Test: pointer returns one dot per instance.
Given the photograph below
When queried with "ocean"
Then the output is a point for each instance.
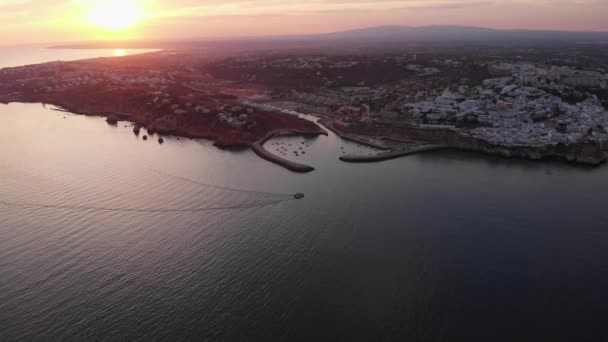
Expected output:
(106, 237)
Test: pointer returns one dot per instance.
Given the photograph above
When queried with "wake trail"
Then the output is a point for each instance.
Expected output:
(135, 210)
(217, 186)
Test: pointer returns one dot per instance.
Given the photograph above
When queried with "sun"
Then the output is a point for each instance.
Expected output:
(115, 15)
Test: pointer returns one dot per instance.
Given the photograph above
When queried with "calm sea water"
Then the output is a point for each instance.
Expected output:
(33, 54)
(435, 247)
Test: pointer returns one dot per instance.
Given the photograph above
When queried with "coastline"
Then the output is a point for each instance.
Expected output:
(224, 113)
(437, 139)
(219, 141)
(584, 153)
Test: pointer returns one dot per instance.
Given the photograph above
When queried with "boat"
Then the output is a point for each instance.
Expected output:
(299, 195)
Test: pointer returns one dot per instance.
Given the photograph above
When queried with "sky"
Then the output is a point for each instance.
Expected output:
(41, 21)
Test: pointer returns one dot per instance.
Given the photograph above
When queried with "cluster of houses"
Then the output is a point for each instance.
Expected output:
(551, 77)
(309, 62)
(518, 107)
(358, 96)
(53, 77)
(235, 116)
(50, 77)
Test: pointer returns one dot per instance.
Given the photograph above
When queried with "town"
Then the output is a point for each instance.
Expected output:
(511, 104)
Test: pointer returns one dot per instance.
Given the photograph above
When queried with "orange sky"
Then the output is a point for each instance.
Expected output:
(30, 21)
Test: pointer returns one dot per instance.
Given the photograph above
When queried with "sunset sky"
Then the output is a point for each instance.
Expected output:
(32, 21)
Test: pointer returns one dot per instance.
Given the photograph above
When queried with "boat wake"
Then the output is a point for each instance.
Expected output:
(222, 198)
(136, 210)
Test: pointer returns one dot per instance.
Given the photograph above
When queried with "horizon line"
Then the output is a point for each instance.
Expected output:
(301, 35)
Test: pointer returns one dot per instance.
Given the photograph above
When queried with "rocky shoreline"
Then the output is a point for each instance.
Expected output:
(585, 153)
(220, 141)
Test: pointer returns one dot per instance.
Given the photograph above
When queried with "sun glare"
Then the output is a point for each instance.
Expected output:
(116, 15)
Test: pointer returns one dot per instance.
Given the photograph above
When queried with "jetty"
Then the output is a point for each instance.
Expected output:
(288, 164)
(258, 148)
(392, 154)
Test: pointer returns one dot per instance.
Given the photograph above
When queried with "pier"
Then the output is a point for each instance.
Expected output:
(392, 154)
(292, 166)
(258, 148)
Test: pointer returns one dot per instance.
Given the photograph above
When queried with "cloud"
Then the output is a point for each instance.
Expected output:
(7, 3)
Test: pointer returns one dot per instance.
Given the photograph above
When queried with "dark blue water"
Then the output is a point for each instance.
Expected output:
(435, 247)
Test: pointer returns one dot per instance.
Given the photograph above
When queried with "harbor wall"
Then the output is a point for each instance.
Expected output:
(588, 152)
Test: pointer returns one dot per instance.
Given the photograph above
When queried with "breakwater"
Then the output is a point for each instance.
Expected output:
(392, 154)
(258, 148)
(584, 152)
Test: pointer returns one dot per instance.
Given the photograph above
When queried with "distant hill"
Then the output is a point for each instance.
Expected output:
(372, 36)
(436, 33)
(399, 32)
